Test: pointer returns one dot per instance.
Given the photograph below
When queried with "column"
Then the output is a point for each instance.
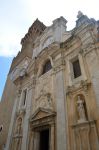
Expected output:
(52, 143)
(26, 119)
(61, 107)
(31, 140)
(36, 141)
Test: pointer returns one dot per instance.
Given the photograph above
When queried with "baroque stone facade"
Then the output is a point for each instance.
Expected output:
(56, 76)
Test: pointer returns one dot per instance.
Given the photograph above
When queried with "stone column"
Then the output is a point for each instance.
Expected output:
(26, 118)
(52, 142)
(36, 141)
(31, 140)
(10, 133)
(93, 67)
(61, 106)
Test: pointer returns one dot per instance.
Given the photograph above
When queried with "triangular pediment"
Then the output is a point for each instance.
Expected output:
(41, 113)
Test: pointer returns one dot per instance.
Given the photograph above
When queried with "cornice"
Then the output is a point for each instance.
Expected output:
(84, 85)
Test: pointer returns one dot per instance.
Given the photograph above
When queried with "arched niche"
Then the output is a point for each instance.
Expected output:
(80, 108)
(18, 127)
(45, 66)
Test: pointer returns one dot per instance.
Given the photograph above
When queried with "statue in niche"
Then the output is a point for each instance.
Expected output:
(81, 110)
(25, 64)
(17, 139)
(49, 99)
(19, 127)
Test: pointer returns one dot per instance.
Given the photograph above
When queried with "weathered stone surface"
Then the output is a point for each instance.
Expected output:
(57, 101)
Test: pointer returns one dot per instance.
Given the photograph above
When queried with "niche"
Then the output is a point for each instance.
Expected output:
(81, 109)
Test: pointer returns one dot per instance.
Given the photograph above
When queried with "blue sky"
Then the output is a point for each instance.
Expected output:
(16, 16)
(4, 68)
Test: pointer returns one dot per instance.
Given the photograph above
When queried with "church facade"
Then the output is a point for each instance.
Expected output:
(56, 75)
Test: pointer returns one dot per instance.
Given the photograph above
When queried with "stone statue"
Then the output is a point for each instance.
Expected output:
(81, 110)
(25, 64)
(17, 139)
(19, 127)
(80, 14)
(49, 99)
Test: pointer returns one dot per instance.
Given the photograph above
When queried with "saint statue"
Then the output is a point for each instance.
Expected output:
(81, 110)
(19, 127)
(17, 139)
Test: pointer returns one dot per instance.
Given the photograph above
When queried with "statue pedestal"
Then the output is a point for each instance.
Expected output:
(85, 136)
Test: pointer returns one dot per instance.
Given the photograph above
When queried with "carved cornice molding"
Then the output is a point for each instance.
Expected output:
(48, 118)
(85, 49)
(84, 85)
(59, 65)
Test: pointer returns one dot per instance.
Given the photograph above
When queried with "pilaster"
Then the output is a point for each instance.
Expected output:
(25, 139)
(52, 143)
(61, 104)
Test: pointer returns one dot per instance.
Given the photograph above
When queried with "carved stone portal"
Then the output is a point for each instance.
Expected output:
(41, 121)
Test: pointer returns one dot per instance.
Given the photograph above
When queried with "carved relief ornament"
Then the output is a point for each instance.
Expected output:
(82, 85)
(44, 100)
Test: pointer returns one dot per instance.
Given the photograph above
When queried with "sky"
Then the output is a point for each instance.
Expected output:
(16, 16)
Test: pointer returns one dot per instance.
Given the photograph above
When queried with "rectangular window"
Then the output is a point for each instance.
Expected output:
(24, 97)
(76, 68)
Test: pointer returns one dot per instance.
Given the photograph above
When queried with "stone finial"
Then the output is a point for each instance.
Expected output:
(80, 14)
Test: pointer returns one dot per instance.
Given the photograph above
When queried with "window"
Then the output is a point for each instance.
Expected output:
(46, 67)
(76, 68)
(24, 97)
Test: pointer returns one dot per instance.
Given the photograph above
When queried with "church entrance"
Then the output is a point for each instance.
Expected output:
(44, 140)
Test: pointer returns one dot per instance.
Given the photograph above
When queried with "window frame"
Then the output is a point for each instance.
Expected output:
(44, 67)
(76, 72)
(71, 60)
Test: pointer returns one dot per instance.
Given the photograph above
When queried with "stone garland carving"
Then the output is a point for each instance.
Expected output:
(81, 110)
(82, 84)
